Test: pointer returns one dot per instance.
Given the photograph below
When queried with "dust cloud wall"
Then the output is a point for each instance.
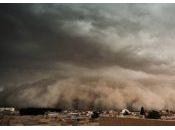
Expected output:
(87, 55)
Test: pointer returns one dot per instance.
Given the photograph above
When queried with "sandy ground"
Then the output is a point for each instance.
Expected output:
(135, 122)
(105, 121)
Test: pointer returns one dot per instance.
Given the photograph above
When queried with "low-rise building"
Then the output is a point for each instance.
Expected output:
(7, 111)
(11, 109)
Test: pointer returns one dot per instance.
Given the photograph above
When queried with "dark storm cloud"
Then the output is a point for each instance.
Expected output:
(44, 44)
(70, 32)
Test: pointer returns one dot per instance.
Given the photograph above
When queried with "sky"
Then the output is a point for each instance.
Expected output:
(93, 55)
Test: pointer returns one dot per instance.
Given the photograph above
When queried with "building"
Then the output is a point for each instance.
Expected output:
(10, 109)
(125, 112)
(7, 111)
(52, 114)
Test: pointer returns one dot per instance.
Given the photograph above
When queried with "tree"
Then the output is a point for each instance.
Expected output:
(154, 115)
(142, 111)
(95, 115)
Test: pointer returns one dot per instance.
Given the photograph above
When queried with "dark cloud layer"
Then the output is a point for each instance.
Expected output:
(61, 47)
